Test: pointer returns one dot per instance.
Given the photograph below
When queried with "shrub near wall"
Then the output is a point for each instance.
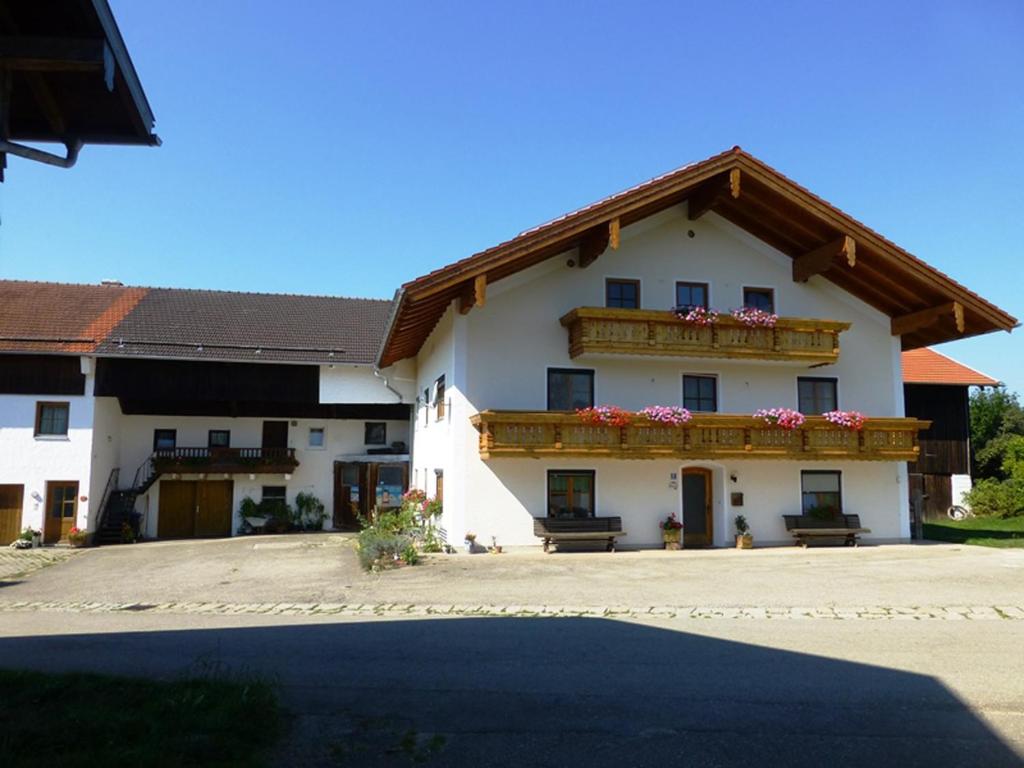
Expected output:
(997, 498)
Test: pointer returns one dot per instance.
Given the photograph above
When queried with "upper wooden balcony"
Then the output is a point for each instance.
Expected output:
(226, 460)
(600, 330)
(535, 434)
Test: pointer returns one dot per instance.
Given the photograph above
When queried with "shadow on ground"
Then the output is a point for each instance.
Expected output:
(554, 692)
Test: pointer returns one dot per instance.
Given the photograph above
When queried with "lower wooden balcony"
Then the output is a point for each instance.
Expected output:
(225, 460)
(604, 331)
(535, 434)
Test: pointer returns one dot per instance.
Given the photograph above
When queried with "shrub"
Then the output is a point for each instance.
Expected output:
(997, 498)
(309, 512)
(379, 549)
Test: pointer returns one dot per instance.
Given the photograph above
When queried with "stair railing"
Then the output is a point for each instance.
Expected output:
(110, 487)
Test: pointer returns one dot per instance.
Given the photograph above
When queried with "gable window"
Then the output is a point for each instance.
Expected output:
(700, 393)
(570, 388)
(759, 298)
(622, 294)
(570, 493)
(165, 439)
(219, 438)
(439, 398)
(821, 494)
(690, 295)
(375, 433)
(316, 437)
(816, 395)
(52, 419)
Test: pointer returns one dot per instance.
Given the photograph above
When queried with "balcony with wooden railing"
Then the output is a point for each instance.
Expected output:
(535, 434)
(224, 460)
(605, 331)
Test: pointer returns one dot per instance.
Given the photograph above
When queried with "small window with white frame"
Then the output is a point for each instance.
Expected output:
(317, 437)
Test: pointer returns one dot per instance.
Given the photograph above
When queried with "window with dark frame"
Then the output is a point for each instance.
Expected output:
(571, 493)
(275, 496)
(439, 486)
(165, 439)
(439, 403)
(219, 438)
(52, 419)
(690, 295)
(759, 298)
(700, 393)
(622, 294)
(821, 493)
(316, 437)
(570, 389)
(375, 433)
(816, 395)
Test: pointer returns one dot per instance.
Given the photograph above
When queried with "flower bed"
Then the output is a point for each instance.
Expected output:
(698, 316)
(606, 415)
(666, 414)
(755, 318)
(853, 420)
(786, 418)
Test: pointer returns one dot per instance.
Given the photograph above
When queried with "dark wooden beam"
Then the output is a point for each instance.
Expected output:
(713, 193)
(824, 258)
(473, 295)
(915, 321)
(593, 243)
(52, 54)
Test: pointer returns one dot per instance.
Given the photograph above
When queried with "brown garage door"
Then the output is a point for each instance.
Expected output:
(10, 512)
(189, 509)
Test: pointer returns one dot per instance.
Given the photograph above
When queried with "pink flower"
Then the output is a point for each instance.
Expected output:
(666, 414)
(848, 419)
(755, 317)
(786, 418)
(608, 415)
(698, 316)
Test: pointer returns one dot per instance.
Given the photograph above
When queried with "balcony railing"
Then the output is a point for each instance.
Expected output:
(599, 330)
(556, 433)
(226, 460)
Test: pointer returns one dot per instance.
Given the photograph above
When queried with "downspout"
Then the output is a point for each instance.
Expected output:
(383, 378)
(29, 153)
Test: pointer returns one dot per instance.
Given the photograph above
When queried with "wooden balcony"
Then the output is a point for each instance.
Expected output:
(535, 434)
(225, 460)
(599, 330)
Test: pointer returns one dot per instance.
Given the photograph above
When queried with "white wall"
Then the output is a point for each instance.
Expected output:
(506, 346)
(33, 461)
(358, 383)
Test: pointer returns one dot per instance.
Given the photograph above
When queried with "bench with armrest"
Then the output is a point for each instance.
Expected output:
(842, 528)
(553, 530)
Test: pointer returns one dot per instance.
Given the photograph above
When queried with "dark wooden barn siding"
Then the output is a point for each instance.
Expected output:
(41, 375)
(944, 446)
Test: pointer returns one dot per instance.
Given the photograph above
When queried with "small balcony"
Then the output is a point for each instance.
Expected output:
(535, 434)
(225, 460)
(604, 331)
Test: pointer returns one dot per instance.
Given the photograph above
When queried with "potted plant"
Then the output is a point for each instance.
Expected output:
(470, 542)
(77, 537)
(671, 531)
(310, 512)
(27, 539)
(251, 514)
(744, 538)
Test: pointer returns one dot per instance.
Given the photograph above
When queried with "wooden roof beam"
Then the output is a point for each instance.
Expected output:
(824, 258)
(593, 243)
(473, 295)
(915, 321)
(713, 193)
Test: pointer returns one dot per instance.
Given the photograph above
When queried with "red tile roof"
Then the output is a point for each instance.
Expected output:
(926, 366)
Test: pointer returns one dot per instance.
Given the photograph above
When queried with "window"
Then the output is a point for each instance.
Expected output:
(759, 298)
(375, 433)
(816, 395)
(821, 493)
(219, 438)
(275, 495)
(690, 295)
(700, 393)
(439, 481)
(316, 437)
(52, 419)
(571, 493)
(165, 439)
(622, 294)
(570, 388)
(439, 398)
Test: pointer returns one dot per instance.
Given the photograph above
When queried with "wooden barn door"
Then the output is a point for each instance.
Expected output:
(11, 497)
(177, 509)
(213, 508)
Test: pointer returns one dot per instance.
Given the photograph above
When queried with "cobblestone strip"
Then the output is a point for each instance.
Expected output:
(693, 612)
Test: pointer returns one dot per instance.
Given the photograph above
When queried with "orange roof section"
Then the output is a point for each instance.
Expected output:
(926, 366)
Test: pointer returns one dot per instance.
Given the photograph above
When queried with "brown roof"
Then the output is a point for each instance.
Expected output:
(758, 199)
(189, 324)
(926, 366)
(55, 317)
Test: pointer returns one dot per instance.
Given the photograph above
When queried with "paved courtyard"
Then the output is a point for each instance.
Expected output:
(893, 655)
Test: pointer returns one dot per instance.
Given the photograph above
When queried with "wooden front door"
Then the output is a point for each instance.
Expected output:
(350, 494)
(275, 434)
(61, 510)
(11, 497)
(190, 509)
(697, 530)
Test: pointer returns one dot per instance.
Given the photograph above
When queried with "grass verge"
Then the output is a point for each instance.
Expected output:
(983, 531)
(98, 720)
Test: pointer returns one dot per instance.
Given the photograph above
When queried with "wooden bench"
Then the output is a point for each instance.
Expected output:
(843, 528)
(555, 529)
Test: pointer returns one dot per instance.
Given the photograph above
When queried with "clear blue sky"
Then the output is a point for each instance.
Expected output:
(343, 148)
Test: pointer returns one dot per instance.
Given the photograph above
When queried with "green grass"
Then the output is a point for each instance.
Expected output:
(97, 720)
(984, 531)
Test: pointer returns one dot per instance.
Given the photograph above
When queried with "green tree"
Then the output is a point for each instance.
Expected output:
(997, 418)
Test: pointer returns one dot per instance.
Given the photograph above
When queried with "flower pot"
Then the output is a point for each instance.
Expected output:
(672, 537)
(744, 541)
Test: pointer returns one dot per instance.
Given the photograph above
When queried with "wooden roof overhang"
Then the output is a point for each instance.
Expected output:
(926, 306)
(66, 76)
